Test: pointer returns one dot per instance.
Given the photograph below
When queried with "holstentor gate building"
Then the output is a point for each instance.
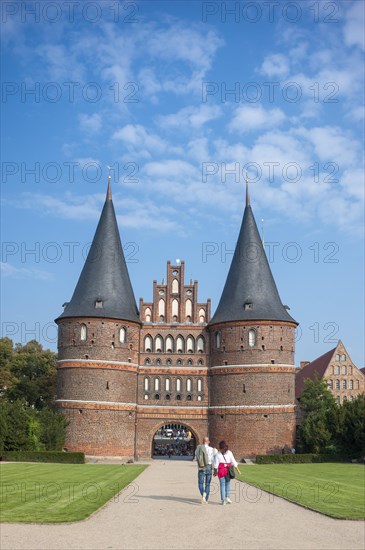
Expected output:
(124, 372)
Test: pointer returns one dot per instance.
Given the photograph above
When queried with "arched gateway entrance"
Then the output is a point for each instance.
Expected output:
(174, 441)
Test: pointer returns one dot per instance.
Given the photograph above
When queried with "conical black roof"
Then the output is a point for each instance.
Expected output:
(104, 278)
(250, 292)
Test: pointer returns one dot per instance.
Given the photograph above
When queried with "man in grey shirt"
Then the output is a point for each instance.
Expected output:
(204, 455)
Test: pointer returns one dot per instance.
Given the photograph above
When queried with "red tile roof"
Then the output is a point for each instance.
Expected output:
(318, 366)
(362, 370)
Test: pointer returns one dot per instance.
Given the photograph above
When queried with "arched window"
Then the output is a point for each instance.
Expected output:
(188, 384)
(201, 315)
(122, 335)
(158, 344)
(167, 384)
(147, 315)
(175, 308)
(83, 334)
(188, 308)
(344, 369)
(180, 344)
(178, 384)
(161, 308)
(344, 398)
(169, 344)
(337, 384)
(147, 361)
(175, 286)
(200, 385)
(200, 344)
(190, 344)
(330, 384)
(337, 369)
(218, 339)
(344, 384)
(190, 362)
(146, 384)
(252, 337)
(200, 362)
(343, 357)
(337, 357)
(351, 384)
(148, 344)
(157, 384)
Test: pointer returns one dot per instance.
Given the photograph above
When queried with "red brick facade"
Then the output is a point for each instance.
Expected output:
(119, 382)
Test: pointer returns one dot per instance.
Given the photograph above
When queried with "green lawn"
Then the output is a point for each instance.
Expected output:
(62, 492)
(333, 489)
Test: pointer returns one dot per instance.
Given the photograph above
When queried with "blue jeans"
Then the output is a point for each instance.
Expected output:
(225, 486)
(204, 479)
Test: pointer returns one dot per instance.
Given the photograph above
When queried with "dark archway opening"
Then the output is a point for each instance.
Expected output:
(174, 441)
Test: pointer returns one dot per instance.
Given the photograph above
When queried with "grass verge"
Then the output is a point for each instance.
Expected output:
(337, 490)
(47, 493)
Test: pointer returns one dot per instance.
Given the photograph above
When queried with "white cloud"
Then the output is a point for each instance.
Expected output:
(332, 144)
(354, 25)
(194, 117)
(90, 123)
(248, 117)
(9, 270)
(275, 65)
(135, 136)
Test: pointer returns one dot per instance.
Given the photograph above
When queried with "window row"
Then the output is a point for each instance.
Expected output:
(343, 369)
(344, 399)
(178, 397)
(155, 384)
(122, 335)
(251, 338)
(337, 386)
(179, 362)
(340, 357)
(187, 315)
(170, 345)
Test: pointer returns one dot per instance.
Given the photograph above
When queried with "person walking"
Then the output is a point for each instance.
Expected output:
(224, 462)
(204, 455)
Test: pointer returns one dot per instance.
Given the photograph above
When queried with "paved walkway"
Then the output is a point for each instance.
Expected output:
(162, 509)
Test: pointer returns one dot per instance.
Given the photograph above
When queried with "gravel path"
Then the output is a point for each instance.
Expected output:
(162, 509)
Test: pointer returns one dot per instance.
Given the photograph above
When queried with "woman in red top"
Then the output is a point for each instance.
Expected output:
(222, 460)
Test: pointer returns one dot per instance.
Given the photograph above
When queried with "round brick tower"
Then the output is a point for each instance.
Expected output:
(98, 346)
(252, 398)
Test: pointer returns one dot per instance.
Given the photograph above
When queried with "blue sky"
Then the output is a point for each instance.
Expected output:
(181, 99)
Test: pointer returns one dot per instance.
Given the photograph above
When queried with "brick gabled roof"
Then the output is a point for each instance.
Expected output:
(318, 366)
(250, 292)
(105, 276)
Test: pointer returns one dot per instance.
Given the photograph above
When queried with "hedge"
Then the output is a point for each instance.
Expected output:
(300, 458)
(43, 456)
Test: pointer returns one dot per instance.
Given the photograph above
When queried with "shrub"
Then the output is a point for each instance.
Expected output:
(42, 456)
(300, 458)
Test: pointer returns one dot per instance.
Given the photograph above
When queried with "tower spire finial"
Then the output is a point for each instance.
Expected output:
(247, 193)
(109, 191)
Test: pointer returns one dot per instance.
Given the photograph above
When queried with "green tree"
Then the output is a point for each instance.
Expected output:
(18, 434)
(33, 371)
(351, 436)
(7, 378)
(53, 429)
(319, 428)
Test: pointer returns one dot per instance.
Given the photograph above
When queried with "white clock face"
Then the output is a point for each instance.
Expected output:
(161, 292)
(188, 292)
(175, 272)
